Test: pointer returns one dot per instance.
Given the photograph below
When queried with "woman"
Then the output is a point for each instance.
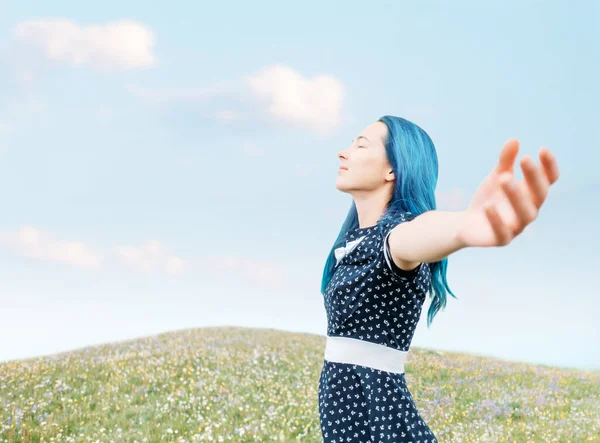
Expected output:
(391, 251)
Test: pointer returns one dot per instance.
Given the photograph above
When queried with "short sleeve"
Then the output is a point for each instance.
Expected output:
(387, 227)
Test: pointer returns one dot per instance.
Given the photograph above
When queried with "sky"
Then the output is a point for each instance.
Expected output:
(172, 168)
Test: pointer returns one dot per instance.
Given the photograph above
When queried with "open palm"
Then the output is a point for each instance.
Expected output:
(503, 207)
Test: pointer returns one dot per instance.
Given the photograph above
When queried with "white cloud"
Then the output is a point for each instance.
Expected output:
(313, 102)
(31, 242)
(149, 257)
(118, 45)
(275, 92)
(262, 272)
(174, 265)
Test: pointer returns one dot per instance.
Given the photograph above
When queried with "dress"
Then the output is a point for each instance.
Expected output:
(369, 298)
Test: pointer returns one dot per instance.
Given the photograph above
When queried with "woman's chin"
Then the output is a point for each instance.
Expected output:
(341, 186)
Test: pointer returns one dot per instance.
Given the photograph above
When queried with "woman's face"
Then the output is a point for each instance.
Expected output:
(364, 165)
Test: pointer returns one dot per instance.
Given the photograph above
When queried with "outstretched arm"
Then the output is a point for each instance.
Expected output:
(501, 209)
(430, 237)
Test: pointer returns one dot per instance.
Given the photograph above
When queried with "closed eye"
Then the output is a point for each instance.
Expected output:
(359, 146)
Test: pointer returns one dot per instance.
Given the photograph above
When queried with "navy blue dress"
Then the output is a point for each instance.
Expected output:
(370, 298)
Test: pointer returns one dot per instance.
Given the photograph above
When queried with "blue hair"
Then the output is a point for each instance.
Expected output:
(412, 156)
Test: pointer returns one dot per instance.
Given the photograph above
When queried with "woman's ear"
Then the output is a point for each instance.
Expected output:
(390, 176)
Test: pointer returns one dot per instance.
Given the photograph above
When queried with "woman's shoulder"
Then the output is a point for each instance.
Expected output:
(392, 219)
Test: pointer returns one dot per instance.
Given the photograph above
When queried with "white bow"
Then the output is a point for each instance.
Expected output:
(345, 250)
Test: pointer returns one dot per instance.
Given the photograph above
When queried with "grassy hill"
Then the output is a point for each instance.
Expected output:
(246, 385)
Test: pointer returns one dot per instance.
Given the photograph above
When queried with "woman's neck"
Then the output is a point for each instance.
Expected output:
(370, 207)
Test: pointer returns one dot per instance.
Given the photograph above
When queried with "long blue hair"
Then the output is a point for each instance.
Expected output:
(411, 153)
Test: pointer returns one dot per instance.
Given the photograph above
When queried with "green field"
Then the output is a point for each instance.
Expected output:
(245, 385)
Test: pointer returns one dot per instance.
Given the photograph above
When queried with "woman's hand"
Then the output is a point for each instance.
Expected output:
(503, 207)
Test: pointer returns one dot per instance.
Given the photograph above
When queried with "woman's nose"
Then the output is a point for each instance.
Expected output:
(343, 154)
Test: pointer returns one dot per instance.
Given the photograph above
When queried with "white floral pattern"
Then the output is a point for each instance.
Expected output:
(369, 298)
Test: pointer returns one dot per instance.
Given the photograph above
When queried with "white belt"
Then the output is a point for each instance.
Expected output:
(364, 353)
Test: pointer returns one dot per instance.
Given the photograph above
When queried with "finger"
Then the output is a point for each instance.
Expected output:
(507, 156)
(536, 182)
(524, 208)
(501, 230)
(550, 164)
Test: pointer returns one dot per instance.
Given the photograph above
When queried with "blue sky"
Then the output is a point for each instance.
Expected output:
(175, 168)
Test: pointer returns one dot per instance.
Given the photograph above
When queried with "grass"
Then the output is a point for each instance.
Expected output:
(247, 385)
